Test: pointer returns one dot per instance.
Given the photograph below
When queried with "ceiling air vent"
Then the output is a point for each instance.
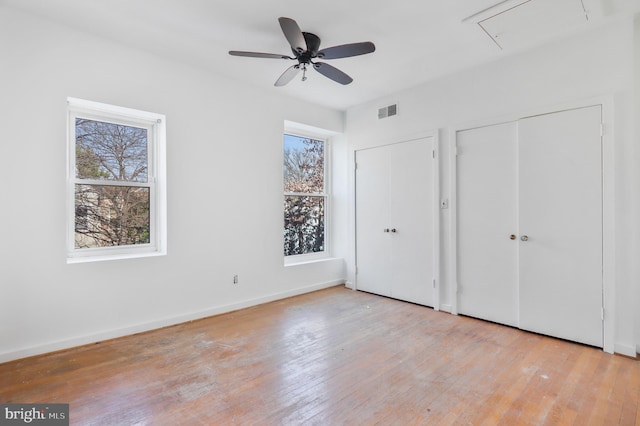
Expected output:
(388, 111)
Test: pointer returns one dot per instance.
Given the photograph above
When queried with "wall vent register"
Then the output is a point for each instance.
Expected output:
(388, 111)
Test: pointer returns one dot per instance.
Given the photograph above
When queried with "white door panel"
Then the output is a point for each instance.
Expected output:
(372, 218)
(561, 214)
(487, 217)
(411, 212)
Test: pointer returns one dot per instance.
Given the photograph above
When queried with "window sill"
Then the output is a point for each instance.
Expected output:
(308, 261)
(102, 258)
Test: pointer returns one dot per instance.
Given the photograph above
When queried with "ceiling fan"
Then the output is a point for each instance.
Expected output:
(306, 49)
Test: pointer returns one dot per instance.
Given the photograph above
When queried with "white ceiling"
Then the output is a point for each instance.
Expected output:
(416, 40)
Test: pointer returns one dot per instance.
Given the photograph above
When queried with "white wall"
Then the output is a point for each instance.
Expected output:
(635, 231)
(599, 63)
(224, 151)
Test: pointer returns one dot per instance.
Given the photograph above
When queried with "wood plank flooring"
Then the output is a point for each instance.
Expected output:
(332, 357)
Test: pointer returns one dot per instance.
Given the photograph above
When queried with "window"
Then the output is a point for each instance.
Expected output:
(116, 182)
(305, 195)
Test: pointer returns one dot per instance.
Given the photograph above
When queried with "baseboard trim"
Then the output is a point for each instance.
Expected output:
(165, 322)
(446, 308)
(625, 350)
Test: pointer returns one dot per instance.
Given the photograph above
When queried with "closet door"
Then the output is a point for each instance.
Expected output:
(373, 250)
(395, 221)
(411, 213)
(561, 225)
(487, 187)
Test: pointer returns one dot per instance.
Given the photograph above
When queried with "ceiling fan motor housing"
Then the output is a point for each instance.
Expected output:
(313, 45)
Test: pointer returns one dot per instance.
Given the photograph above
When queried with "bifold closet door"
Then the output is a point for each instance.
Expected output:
(529, 224)
(561, 224)
(487, 223)
(395, 220)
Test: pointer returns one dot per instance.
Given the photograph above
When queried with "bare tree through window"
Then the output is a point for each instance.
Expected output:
(305, 198)
(113, 201)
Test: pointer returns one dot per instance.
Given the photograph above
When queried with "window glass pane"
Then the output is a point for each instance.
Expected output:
(303, 224)
(303, 165)
(109, 216)
(108, 151)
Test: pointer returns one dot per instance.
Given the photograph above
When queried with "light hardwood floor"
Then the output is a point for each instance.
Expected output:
(332, 357)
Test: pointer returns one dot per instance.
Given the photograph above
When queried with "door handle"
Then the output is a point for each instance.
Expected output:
(512, 237)
(386, 229)
(524, 238)
(394, 230)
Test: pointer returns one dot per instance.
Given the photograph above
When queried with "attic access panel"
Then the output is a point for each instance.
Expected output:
(533, 21)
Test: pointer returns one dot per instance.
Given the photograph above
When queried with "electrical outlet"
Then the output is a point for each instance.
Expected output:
(235, 279)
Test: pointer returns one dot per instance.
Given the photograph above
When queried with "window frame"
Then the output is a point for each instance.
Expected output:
(155, 124)
(326, 195)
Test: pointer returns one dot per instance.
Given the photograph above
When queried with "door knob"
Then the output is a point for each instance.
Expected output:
(386, 229)
(394, 230)
(524, 238)
(512, 237)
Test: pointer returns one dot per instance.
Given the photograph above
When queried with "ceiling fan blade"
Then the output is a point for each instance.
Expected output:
(258, 55)
(293, 34)
(332, 72)
(287, 75)
(347, 50)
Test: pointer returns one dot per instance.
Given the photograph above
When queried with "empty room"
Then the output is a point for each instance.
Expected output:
(328, 213)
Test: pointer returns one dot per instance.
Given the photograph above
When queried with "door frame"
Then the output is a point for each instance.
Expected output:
(608, 199)
(434, 135)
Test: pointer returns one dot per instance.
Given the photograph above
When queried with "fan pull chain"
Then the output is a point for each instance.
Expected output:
(304, 72)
